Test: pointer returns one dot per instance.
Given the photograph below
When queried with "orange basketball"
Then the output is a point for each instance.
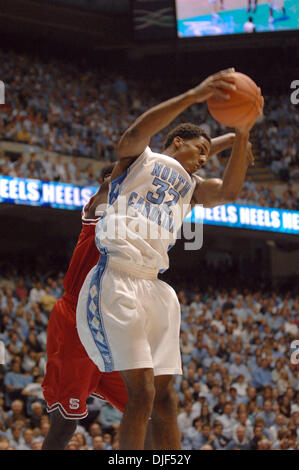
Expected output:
(243, 105)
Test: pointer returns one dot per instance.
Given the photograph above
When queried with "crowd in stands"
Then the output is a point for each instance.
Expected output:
(262, 195)
(240, 383)
(240, 389)
(25, 306)
(278, 138)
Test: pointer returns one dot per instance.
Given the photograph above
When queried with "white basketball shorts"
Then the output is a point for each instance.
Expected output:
(125, 322)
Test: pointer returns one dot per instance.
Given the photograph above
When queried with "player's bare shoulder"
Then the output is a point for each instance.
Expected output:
(207, 192)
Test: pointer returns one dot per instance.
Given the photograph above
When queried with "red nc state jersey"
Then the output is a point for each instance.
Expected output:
(85, 256)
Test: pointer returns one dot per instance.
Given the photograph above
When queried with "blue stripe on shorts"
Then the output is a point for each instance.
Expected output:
(94, 315)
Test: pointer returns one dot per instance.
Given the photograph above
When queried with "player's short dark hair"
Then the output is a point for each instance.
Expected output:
(186, 131)
(107, 170)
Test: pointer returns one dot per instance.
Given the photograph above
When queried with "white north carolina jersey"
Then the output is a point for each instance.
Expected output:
(146, 208)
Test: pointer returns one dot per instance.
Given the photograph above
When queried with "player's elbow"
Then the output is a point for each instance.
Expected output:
(229, 197)
(229, 200)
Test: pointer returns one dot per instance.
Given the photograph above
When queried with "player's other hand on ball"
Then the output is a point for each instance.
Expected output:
(249, 125)
(216, 85)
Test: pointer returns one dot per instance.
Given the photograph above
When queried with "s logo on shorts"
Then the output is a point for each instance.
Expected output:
(74, 403)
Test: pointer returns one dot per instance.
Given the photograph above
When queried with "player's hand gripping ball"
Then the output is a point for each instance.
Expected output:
(244, 104)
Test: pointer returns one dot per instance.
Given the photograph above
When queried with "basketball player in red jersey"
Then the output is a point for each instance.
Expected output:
(71, 376)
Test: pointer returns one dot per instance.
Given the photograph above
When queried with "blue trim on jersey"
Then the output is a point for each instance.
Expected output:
(116, 187)
(113, 194)
(94, 314)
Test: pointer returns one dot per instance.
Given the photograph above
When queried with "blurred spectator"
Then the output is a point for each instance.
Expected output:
(267, 414)
(257, 437)
(28, 438)
(93, 431)
(240, 440)
(185, 418)
(97, 443)
(4, 443)
(262, 375)
(15, 436)
(227, 420)
(107, 441)
(33, 393)
(81, 440)
(36, 293)
(14, 382)
(110, 418)
(190, 433)
(15, 413)
(202, 438)
(37, 444)
(48, 300)
(279, 423)
(237, 368)
(220, 442)
(37, 412)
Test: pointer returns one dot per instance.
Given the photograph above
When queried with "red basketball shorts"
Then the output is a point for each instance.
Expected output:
(71, 377)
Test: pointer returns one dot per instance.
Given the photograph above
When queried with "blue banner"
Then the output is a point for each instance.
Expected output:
(68, 196)
(41, 193)
(247, 217)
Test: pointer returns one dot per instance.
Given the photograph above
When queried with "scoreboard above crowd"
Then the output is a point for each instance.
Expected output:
(71, 197)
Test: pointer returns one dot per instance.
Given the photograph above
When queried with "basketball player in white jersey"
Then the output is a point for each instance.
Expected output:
(127, 319)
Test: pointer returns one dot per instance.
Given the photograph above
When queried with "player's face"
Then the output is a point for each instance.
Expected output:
(193, 153)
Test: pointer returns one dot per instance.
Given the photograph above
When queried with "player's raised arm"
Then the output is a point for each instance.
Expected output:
(215, 191)
(223, 142)
(137, 137)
